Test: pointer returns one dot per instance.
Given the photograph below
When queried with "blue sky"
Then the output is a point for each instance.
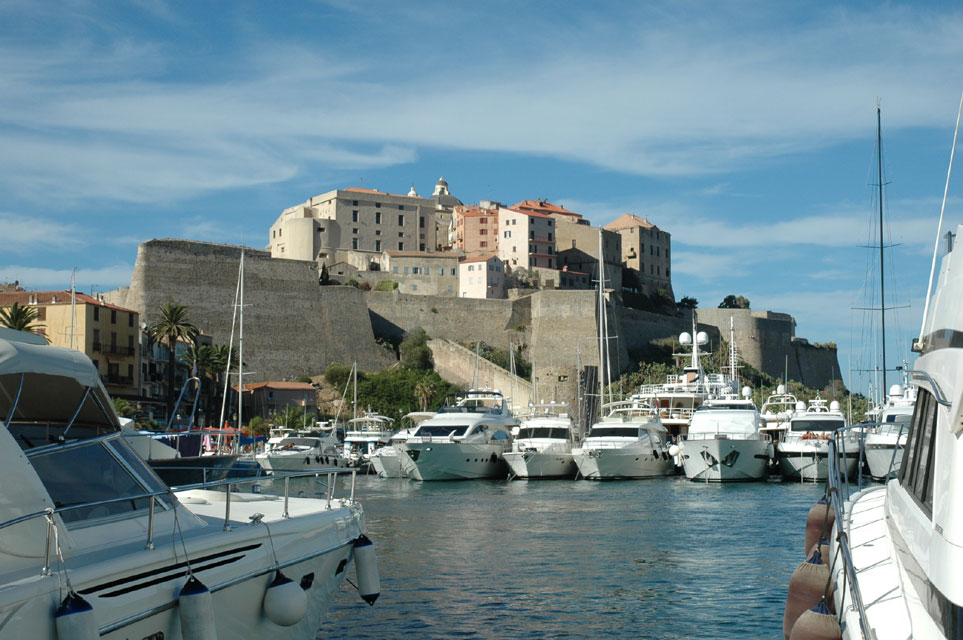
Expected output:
(745, 129)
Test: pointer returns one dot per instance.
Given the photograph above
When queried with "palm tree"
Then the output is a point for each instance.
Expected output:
(203, 358)
(425, 392)
(21, 318)
(171, 326)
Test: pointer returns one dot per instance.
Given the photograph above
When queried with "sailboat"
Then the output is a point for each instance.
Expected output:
(629, 440)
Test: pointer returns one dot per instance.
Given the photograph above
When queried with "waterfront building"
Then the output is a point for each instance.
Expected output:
(362, 220)
(108, 334)
(427, 274)
(481, 277)
(645, 250)
(267, 398)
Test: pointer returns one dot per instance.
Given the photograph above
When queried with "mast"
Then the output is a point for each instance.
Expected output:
(603, 364)
(73, 303)
(882, 295)
(230, 347)
(240, 347)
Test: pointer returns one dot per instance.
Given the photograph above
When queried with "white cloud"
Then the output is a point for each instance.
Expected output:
(96, 279)
(21, 235)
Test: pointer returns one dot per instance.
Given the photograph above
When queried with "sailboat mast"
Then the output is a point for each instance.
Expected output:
(240, 347)
(230, 347)
(882, 295)
(602, 361)
(73, 303)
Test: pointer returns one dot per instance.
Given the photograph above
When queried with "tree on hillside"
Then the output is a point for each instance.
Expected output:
(324, 278)
(172, 325)
(734, 302)
(21, 318)
(687, 302)
(414, 350)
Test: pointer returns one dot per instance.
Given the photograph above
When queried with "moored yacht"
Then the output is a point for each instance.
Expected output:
(804, 444)
(300, 452)
(365, 435)
(388, 461)
(725, 442)
(467, 439)
(627, 442)
(542, 448)
(93, 543)
(883, 442)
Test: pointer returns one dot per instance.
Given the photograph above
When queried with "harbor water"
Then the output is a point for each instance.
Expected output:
(663, 558)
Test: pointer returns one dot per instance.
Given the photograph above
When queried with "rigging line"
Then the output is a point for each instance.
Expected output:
(939, 227)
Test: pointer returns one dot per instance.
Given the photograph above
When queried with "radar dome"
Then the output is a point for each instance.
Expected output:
(702, 337)
(746, 392)
(834, 406)
(781, 389)
(685, 339)
(800, 406)
(896, 391)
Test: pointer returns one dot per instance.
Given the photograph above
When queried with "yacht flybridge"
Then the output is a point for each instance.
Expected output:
(467, 439)
(726, 442)
(543, 445)
(884, 441)
(804, 444)
(93, 544)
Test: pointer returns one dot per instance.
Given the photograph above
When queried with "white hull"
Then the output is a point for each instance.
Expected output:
(296, 462)
(626, 462)
(726, 460)
(456, 461)
(388, 464)
(808, 463)
(541, 464)
(878, 449)
(133, 591)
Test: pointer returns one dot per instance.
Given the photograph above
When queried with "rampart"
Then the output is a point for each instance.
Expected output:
(457, 364)
(292, 326)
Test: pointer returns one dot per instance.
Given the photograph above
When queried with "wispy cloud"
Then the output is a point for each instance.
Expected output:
(21, 234)
(97, 279)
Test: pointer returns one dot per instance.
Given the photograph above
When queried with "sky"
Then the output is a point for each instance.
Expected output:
(747, 130)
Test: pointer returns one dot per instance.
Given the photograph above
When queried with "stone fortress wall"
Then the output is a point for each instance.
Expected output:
(295, 327)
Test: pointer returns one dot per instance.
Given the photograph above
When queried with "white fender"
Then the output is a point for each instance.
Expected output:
(366, 568)
(75, 619)
(285, 602)
(196, 609)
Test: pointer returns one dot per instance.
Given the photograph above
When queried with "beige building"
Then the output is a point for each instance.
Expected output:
(482, 277)
(476, 230)
(526, 239)
(645, 249)
(268, 398)
(108, 334)
(363, 220)
(426, 274)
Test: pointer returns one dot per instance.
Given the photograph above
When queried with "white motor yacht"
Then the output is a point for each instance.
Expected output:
(902, 542)
(883, 443)
(365, 435)
(542, 448)
(804, 443)
(387, 461)
(628, 442)
(94, 545)
(300, 453)
(725, 442)
(467, 439)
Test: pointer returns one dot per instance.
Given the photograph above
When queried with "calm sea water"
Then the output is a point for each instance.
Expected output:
(665, 558)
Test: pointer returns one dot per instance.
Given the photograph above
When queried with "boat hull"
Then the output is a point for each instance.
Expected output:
(726, 460)
(879, 450)
(809, 464)
(387, 463)
(541, 464)
(626, 463)
(302, 462)
(455, 461)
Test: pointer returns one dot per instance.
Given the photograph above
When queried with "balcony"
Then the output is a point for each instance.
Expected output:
(123, 381)
(117, 350)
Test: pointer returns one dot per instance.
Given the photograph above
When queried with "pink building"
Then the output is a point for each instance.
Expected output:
(526, 239)
(482, 277)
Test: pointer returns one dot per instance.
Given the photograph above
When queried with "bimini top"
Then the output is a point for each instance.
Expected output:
(53, 388)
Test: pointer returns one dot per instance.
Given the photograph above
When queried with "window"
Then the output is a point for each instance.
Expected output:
(354, 243)
(441, 271)
(320, 229)
(130, 373)
(483, 243)
(354, 216)
(549, 236)
(407, 269)
(421, 222)
(401, 246)
(401, 234)
(491, 267)
(916, 470)
(508, 234)
(113, 316)
(377, 232)
(377, 217)
(394, 270)
(471, 267)
(96, 338)
(401, 206)
(573, 243)
(354, 203)
(354, 230)
(130, 345)
(41, 313)
(452, 272)
(279, 232)
(377, 205)
(401, 220)
(421, 247)
(483, 232)
(515, 221)
(274, 233)
(484, 220)
(531, 235)
(377, 245)
(414, 287)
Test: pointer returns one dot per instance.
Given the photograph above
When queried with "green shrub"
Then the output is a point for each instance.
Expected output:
(386, 285)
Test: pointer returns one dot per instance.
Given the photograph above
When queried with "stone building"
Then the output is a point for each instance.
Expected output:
(108, 334)
(526, 239)
(645, 250)
(362, 220)
(267, 398)
(481, 277)
(426, 274)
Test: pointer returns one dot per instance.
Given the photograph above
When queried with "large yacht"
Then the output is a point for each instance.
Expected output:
(467, 439)
(629, 441)
(804, 443)
(543, 446)
(884, 441)
(94, 544)
(365, 435)
(388, 461)
(678, 398)
(300, 452)
(902, 541)
(725, 442)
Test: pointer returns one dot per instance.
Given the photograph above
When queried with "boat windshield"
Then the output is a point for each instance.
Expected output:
(441, 430)
(614, 432)
(902, 419)
(817, 425)
(291, 443)
(92, 472)
(560, 433)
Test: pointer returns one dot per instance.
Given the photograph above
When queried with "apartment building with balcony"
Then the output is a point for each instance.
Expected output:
(476, 229)
(526, 239)
(108, 334)
(366, 220)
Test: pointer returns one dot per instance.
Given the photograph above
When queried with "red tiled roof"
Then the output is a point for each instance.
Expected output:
(542, 206)
(46, 297)
(421, 254)
(531, 214)
(479, 258)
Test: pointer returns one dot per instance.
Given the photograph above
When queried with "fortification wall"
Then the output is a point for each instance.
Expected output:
(818, 365)
(292, 327)
(455, 363)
